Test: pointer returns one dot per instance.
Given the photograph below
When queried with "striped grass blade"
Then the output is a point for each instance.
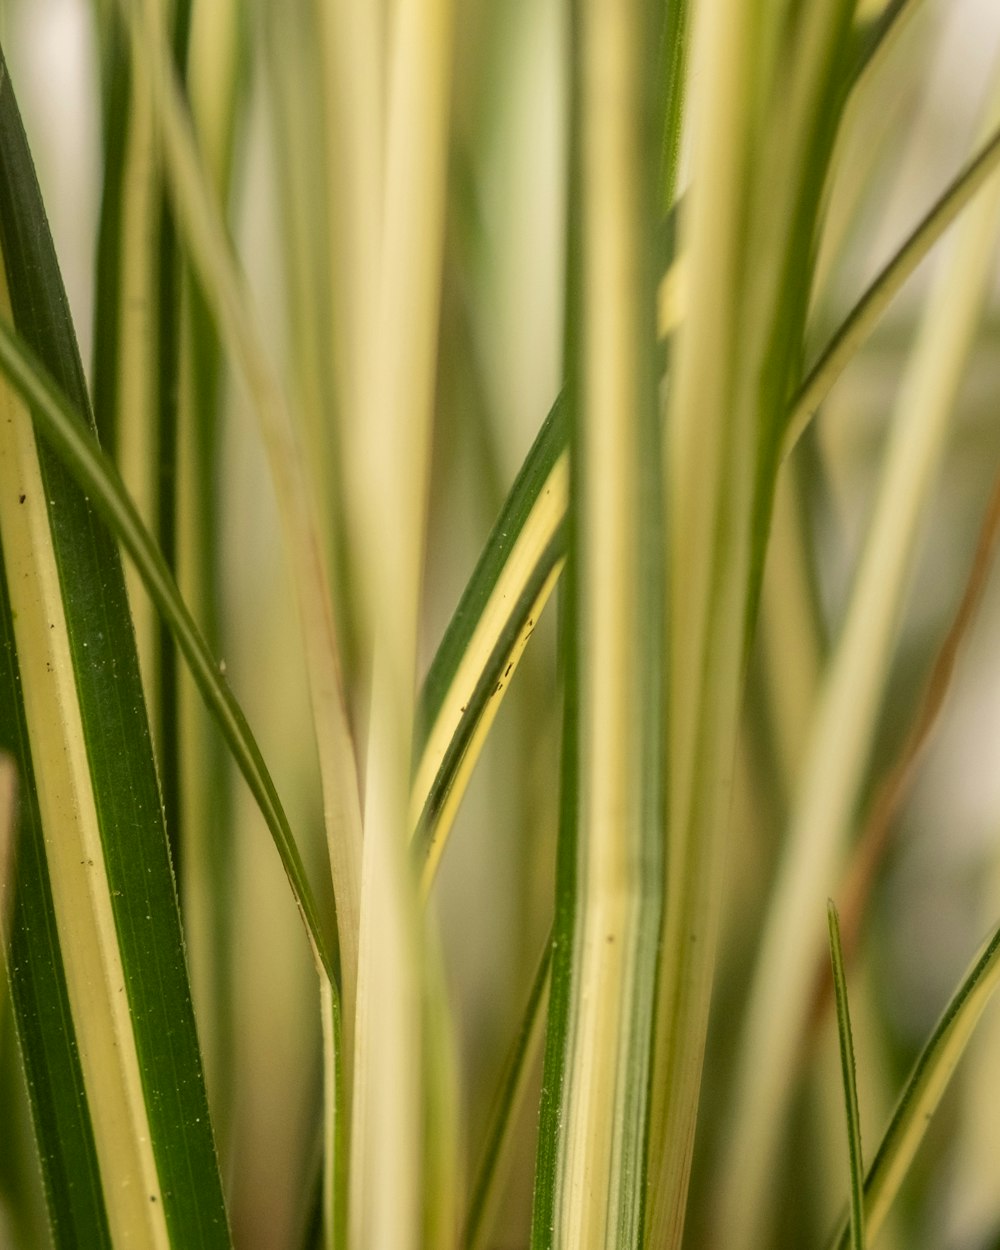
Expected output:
(96, 924)
(526, 548)
(590, 1179)
(843, 721)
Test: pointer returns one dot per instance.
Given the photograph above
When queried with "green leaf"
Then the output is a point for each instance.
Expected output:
(79, 451)
(209, 251)
(215, 77)
(862, 318)
(924, 1090)
(836, 751)
(137, 335)
(486, 636)
(873, 36)
(856, 1158)
(100, 911)
(491, 1173)
(451, 725)
(671, 79)
(8, 826)
(46, 1039)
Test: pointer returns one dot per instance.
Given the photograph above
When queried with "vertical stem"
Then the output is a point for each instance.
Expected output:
(391, 442)
(590, 1188)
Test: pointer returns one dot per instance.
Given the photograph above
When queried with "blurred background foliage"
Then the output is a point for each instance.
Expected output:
(937, 888)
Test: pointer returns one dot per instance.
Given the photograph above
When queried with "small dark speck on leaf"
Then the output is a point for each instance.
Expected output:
(21, 498)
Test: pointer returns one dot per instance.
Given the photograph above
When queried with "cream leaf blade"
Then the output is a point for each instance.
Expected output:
(590, 1181)
(401, 1134)
(756, 198)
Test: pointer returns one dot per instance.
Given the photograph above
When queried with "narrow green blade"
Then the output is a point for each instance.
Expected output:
(492, 1170)
(857, 1167)
(924, 1090)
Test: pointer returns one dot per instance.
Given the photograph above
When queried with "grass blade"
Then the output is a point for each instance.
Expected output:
(859, 323)
(104, 910)
(401, 1130)
(209, 251)
(478, 712)
(857, 1167)
(449, 712)
(136, 359)
(876, 835)
(489, 624)
(491, 1173)
(8, 825)
(82, 455)
(672, 77)
(874, 35)
(924, 1090)
(703, 471)
(737, 357)
(39, 996)
(216, 80)
(591, 1184)
(843, 724)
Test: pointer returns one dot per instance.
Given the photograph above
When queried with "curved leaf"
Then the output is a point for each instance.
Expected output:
(79, 451)
(101, 913)
(486, 608)
(487, 634)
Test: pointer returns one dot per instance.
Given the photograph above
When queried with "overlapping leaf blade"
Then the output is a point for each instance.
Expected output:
(138, 912)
